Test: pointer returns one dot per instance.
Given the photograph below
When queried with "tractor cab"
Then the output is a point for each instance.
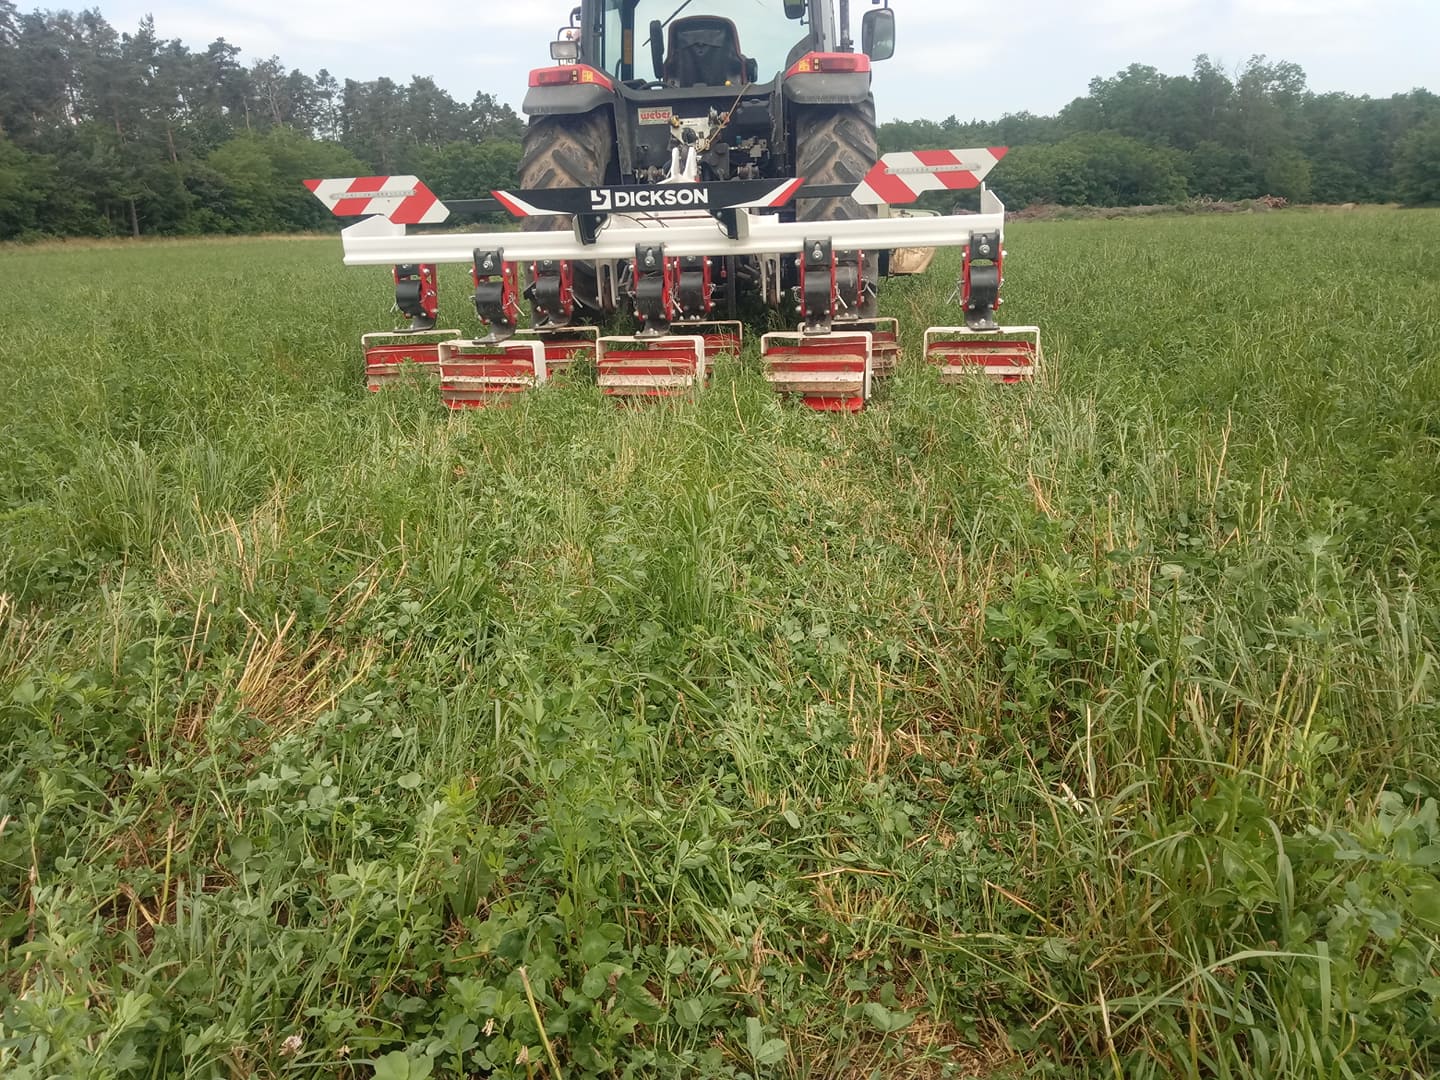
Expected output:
(660, 44)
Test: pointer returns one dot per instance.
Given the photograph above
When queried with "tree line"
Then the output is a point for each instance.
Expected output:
(111, 133)
(1143, 137)
(106, 133)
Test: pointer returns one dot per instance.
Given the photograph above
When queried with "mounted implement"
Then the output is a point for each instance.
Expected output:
(741, 168)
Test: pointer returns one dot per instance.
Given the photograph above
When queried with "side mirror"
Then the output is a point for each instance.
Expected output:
(795, 9)
(877, 34)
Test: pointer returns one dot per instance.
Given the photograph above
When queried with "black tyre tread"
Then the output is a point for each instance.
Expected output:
(835, 144)
(565, 152)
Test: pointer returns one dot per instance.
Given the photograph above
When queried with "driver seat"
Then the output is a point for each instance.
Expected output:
(704, 51)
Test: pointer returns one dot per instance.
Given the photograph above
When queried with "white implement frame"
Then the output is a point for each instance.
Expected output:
(379, 242)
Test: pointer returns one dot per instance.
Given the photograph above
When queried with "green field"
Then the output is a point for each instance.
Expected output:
(1085, 730)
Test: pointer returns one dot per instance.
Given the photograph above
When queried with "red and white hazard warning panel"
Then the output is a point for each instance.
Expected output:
(902, 178)
(402, 199)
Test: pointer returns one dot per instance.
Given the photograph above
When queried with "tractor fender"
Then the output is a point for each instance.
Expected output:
(837, 88)
(565, 100)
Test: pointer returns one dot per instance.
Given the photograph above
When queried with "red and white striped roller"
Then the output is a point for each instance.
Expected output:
(904, 177)
(402, 199)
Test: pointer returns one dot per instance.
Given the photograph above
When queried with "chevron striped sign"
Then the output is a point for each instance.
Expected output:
(402, 199)
(902, 178)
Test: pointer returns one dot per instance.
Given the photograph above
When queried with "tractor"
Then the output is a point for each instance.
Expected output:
(649, 91)
(680, 165)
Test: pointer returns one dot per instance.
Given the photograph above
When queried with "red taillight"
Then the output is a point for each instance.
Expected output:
(825, 63)
(570, 74)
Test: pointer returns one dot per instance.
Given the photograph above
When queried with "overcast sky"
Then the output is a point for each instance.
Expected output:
(962, 58)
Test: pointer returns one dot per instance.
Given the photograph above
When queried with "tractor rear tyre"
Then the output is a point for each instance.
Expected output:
(568, 152)
(837, 144)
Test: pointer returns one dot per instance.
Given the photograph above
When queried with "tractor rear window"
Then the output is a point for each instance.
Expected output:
(764, 34)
